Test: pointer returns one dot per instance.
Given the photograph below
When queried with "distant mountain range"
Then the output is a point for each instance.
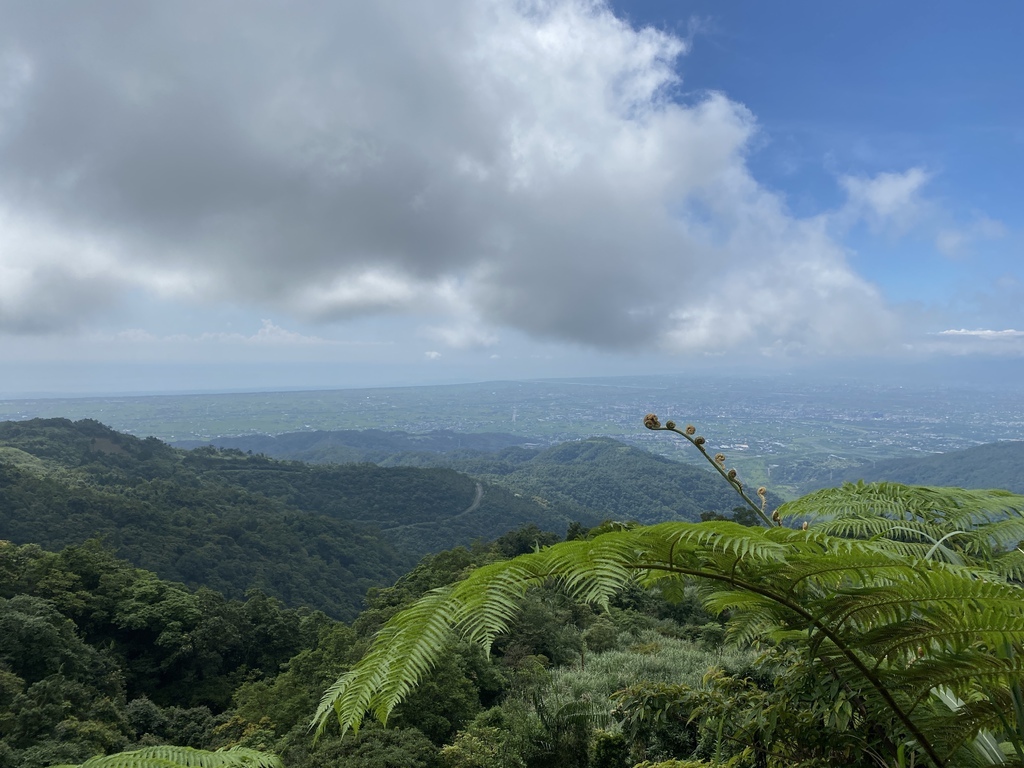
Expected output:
(993, 465)
(354, 445)
(597, 478)
(606, 478)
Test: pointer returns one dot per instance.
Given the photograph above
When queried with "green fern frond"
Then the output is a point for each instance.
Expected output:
(864, 604)
(870, 526)
(579, 713)
(478, 609)
(947, 596)
(961, 672)
(186, 757)
(1009, 565)
(994, 535)
(893, 643)
(952, 508)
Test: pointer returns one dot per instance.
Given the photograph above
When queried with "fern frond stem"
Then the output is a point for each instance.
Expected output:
(820, 571)
(917, 533)
(841, 646)
(939, 543)
(725, 476)
(735, 565)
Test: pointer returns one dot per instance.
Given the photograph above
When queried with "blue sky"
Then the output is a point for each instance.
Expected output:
(874, 87)
(291, 194)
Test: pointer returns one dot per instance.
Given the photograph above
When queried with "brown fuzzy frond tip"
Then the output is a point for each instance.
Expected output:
(651, 421)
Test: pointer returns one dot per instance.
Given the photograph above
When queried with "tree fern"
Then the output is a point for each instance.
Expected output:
(981, 523)
(866, 610)
(183, 757)
(876, 591)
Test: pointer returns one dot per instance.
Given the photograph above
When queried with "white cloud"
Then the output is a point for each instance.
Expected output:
(1008, 333)
(951, 242)
(806, 301)
(956, 243)
(981, 341)
(432, 355)
(131, 336)
(269, 335)
(463, 335)
(371, 290)
(275, 334)
(47, 275)
(519, 164)
(887, 199)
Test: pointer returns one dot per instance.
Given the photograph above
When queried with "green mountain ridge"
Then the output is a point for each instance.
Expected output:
(350, 445)
(308, 535)
(992, 465)
(595, 478)
(605, 477)
(99, 656)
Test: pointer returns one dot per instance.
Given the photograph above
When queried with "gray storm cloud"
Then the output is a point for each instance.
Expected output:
(519, 164)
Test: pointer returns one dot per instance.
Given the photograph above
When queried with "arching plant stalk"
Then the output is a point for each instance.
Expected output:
(652, 422)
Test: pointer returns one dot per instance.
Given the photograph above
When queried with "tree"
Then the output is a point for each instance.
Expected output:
(906, 599)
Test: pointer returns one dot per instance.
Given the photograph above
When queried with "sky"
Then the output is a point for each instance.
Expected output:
(246, 194)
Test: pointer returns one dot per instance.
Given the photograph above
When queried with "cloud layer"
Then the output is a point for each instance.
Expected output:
(527, 164)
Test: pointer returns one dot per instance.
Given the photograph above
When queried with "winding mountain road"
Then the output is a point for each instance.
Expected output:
(477, 498)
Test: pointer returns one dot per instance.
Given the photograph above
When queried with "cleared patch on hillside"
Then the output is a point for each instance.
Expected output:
(23, 460)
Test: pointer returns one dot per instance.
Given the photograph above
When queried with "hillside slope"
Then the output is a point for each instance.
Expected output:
(597, 478)
(603, 478)
(353, 445)
(993, 465)
(309, 535)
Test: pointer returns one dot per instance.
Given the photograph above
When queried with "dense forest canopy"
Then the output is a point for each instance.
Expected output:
(315, 535)
(309, 535)
(596, 478)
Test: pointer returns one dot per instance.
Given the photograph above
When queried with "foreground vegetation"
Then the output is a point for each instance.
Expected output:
(880, 625)
(100, 657)
(895, 622)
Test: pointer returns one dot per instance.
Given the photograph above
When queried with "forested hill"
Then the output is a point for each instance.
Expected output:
(600, 477)
(309, 535)
(359, 445)
(994, 465)
(595, 478)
